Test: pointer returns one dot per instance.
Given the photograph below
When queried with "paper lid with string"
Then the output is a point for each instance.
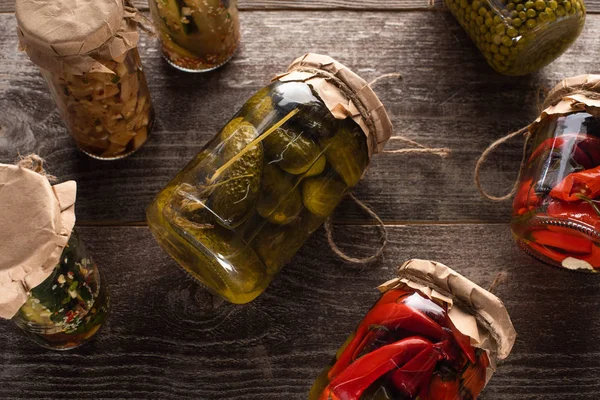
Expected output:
(37, 219)
(345, 94)
(475, 311)
(75, 37)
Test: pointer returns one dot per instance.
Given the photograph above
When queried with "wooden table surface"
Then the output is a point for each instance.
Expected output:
(168, 338)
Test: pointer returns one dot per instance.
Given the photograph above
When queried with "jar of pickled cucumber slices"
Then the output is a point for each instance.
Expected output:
(249, 200)
(92, 67)
(518, 37)
(556, 210)
(49, 285)
(432, 335)
(197, 35)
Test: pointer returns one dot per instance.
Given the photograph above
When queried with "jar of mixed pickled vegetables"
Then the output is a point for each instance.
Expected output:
(49, 285)
(197, 35)
(245, 205)
(432, 335)
(520, 36)
(92, 67)
(556, 214)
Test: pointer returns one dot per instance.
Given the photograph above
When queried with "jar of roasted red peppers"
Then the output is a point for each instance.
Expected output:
(556, 214)
(432, 335)
(245, 205)
(49, 285)
(88, 56)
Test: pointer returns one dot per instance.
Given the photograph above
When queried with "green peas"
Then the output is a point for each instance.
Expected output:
(489, 22)
(529, 4)
(540, 5)
(544, 17)
(531, 14)
(522, 15)
(512, 32)
(531, 23)
(482, 12)
(500, 29)
(553, 4)
(517, 23)
(497, 39)
(506, 41)
(476, 4)
(520, 7)
(493, 48)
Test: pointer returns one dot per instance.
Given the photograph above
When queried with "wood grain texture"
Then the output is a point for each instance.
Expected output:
(167, 338)
(593, 6)
(449, 97)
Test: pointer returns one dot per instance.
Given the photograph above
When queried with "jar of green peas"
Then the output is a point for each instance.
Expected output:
(518, 37)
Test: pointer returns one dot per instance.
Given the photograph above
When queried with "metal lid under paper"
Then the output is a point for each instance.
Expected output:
(345, 94)
(476, 312)
(36, 219)
(63, 35)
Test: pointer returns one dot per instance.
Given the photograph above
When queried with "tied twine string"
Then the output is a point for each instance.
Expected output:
(419, 148)
(498, 280)
(35, 163)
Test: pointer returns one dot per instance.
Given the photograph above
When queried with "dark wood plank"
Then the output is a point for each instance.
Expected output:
(449, 97)
(167, 338)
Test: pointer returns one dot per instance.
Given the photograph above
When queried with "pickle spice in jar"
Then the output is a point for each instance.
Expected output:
(49, 285)
(518, 37)
(239, 211)
(432, 335)
(556, 215)
(197, 35)
(88, 56)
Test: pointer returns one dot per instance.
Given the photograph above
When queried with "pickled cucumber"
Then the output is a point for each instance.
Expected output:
(314, 117)
(291, 150)
(280, 201)
(317, 167)
(321, 195)
(258, 108)
(347, 152)
(235, 192)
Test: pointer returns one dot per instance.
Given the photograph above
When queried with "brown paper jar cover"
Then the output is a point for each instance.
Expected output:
(66, 36)
(36, 219)
(345, 94)
(475, 311)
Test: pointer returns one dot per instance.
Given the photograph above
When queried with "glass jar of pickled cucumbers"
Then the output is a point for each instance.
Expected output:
(88, 56)
(416, 343)
(69, 307)
(516, 36)
(197, 35)
(109, 115)
(556, 215)
(245, 205)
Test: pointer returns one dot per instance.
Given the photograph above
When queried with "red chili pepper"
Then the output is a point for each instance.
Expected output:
(416, 374)
(441, 389)
(358, 376)
(392, 296)
(525, 199)
(573, 186)
(564, 242)
(393, 316)
(376, 333)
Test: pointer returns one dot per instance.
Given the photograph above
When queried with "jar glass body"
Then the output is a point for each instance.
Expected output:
(69, 307)
(108, 115)
(246, 204)
(406, 347)
(556, 215)
(197, 36)
(518, 37)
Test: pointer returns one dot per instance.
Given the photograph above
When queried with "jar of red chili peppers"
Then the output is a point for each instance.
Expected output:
(49, 285)
(556, 211)
(432, 335)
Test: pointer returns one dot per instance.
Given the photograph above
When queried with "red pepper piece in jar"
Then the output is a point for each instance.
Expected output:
(442, 389)
(414, 376)
(525, 199)
(573, 186)
(463, 341)
(573, 143)
(474, 377)
(582, 212)
(393, 316)
(350, 383)
(561, 241)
